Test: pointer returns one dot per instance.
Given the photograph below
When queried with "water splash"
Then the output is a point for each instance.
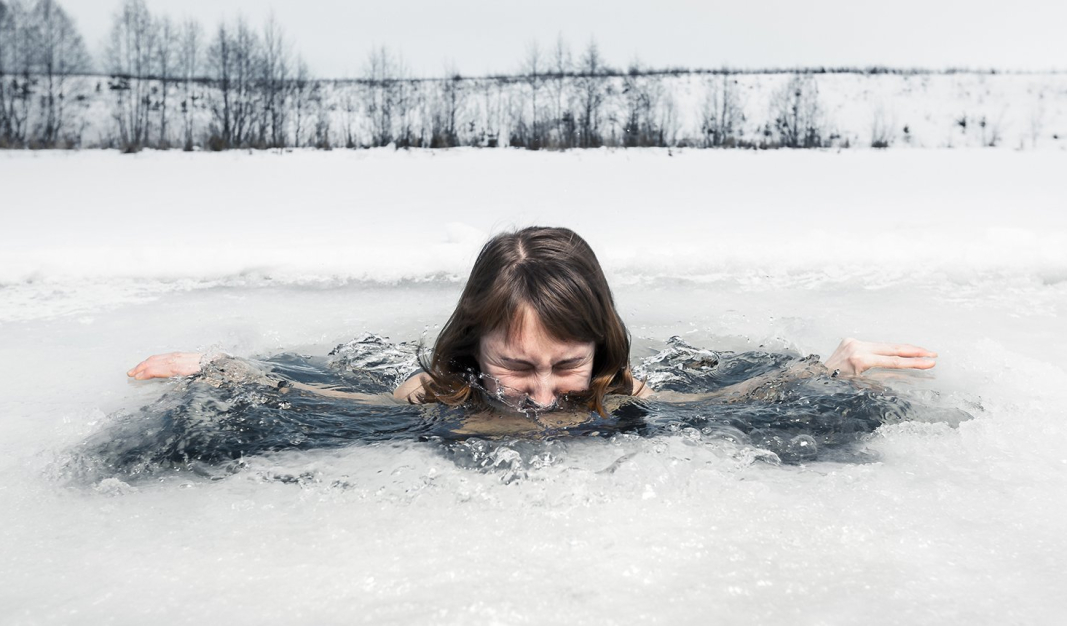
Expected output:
(756, 406)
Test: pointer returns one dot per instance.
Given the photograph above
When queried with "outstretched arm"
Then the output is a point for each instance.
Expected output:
(188, 363)
(851, 358)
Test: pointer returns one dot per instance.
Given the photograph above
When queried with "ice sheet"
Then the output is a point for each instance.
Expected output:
(959, 251)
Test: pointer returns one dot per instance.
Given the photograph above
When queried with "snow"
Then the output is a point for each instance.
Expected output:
(106, 258)
(386, 215)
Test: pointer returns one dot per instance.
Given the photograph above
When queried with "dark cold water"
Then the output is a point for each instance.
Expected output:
(788, 408)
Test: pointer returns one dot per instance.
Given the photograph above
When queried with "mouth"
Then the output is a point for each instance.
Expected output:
(511, 401)
(521, 403)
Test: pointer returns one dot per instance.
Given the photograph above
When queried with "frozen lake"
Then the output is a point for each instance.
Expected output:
(106, 258)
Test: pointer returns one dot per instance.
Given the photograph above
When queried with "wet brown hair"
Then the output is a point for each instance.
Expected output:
(552, 272)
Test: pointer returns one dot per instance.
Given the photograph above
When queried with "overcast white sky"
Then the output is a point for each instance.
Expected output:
(487, 36)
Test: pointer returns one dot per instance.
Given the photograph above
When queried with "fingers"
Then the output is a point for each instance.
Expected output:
(899, 363)
(149, 368)
(138, 370)
(901, 349)
(854, 357)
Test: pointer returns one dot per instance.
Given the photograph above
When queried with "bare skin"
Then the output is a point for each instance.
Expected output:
(853, 357)
(167, 365)
(533, 363)
(189, 363)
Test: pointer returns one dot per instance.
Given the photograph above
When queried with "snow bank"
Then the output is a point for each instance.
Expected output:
(386, 215)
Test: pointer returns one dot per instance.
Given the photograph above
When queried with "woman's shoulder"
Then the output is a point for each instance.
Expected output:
(641, 389)
(410, 390)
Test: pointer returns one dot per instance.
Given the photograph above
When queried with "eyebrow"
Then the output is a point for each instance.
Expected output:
(513, 361)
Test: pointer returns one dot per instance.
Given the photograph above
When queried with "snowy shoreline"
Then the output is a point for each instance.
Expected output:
(385, 215)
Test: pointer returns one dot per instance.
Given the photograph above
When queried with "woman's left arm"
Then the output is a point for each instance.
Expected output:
(853, 357)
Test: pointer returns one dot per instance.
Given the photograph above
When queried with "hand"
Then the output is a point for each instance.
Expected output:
(167, 365)
(853, 357)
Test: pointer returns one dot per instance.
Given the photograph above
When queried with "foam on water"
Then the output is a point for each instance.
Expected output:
(944, 521)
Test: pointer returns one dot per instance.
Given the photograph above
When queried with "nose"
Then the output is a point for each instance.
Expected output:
(543, 391)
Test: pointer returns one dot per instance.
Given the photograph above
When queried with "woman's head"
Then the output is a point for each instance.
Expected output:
(536, 319)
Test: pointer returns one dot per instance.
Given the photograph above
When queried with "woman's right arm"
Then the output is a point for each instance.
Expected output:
(167, 365)
(410, 390)
(188, 363)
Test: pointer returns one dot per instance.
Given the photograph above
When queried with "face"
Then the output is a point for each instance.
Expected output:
(533, 363)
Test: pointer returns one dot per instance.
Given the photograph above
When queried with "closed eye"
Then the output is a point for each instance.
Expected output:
(518, 365)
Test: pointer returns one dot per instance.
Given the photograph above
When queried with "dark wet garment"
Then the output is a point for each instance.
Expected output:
(786, 405)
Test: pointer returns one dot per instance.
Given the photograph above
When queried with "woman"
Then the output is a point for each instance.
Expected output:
(536, 326)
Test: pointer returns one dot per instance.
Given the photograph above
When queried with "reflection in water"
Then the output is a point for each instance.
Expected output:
(783, 407)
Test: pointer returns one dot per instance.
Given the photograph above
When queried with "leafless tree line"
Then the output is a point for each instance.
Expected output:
(40, 51)
(174, 84)
(248, 81)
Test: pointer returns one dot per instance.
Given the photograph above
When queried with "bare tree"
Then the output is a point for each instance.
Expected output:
(349, 115)
(668, 121)
(407, 101)
(246, 57)
(166, 52)
(992, 130)
(493, 112)
(883, 128)
(641, 94)
(560, 66)
(797, 113)
(16, 72)
(454, 97)
(275, 68)
(220, 61)
(446, 109)
(300, 93)
(722, 115)
(591, 95)
(393, 99)
(57, 52)
(383, 76)
(533, 68)
(129, 53)
(321, 105)
(234, 60)
(190, 47)
(6, 22)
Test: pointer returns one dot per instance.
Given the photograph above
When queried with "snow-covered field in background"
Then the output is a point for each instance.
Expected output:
(106, 258)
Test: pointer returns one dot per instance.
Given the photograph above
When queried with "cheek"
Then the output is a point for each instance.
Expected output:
(493, 379)
(516, 382)
(510, 385)
(574, 380)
